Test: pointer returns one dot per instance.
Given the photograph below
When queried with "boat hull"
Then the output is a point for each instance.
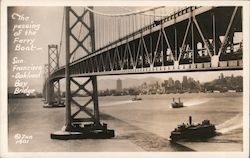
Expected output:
(177, 105)
(194, 133)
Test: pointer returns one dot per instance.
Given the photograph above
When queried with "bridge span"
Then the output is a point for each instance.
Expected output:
(190, 39)
(179, 42)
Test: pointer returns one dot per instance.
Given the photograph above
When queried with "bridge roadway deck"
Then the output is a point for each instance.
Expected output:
(223, 65)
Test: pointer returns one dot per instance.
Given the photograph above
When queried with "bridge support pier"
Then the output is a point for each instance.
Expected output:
(87, 125)
(53, 100)
(83, 121)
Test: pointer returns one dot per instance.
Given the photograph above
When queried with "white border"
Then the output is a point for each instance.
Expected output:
(4, 78)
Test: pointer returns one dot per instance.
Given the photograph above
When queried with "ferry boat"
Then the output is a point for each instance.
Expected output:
(177, 104)
(192, 131)
(136, 98)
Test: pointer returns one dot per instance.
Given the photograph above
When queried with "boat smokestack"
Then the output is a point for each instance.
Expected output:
(173, 99)
(190, 120)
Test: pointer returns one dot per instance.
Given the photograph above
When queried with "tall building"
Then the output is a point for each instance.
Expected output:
(184, 82)
(221, 76)
(165, 85)
(170, 82)
(119, 84)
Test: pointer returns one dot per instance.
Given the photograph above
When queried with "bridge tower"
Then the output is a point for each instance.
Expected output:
(85, 121)
(45, 76)
(53, 92)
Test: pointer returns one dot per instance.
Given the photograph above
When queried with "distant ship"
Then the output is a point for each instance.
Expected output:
(177, 104)
(136, 98)
(191, 131)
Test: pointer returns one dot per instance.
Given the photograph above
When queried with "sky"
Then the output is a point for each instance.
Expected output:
(50, 20)
(48, 33)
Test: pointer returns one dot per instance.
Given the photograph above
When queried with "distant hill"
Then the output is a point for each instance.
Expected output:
(225, 83)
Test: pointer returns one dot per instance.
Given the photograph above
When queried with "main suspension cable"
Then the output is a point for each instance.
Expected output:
(123, 14)
(148, 14)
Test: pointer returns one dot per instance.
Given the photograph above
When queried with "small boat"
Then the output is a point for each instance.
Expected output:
(177, 104)
(136, 98)
(191, 131)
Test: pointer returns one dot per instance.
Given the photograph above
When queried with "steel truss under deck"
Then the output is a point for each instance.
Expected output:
(190, 40)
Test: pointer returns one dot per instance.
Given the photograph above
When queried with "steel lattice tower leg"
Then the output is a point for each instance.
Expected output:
(45, 75)
(89, 125)
(53, 92)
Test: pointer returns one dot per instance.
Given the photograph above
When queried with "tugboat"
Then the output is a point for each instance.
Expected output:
(191, 131)
(136, 98)
(177, 104)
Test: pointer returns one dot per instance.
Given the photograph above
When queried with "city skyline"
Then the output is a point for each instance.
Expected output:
(202, 77)
(222, 84)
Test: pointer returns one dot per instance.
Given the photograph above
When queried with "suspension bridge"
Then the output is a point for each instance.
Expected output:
(134, 42)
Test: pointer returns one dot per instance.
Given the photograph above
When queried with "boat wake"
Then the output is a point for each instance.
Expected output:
(231, 124)
(117, 103)
(195, 102)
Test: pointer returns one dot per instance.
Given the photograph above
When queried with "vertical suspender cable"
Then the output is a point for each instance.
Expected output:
(133, 23)
(126, 26)
(129, 25)
(95, 27)
(60, 44)
(97, 31)
(101, 32)
(144, 20)
(115, 28)
(154, 15)
(119, 27)
(104, 32)
(136, 22)
(112, 28)
(139, 21)
(108, 30)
